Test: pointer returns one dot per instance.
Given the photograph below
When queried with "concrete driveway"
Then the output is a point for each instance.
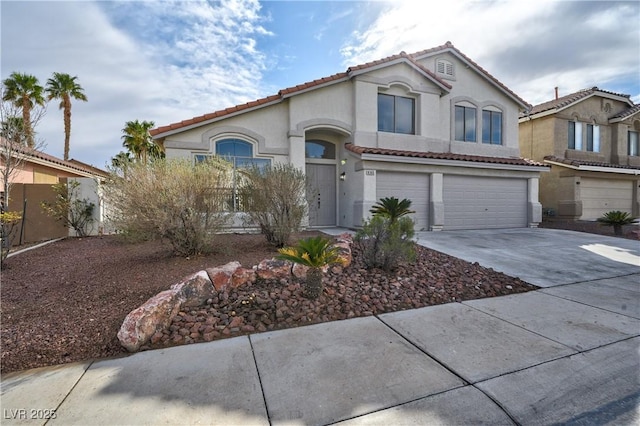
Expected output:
(543, 257)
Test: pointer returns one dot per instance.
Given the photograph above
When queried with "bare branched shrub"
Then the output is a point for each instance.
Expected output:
(69, 209)
(171, 199)
(275, 200)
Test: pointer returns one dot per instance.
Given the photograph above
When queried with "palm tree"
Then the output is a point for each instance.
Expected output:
(617, 219)
(391, 208)
(64, 87)
(137, 140)
(315, 253)
(25, 92)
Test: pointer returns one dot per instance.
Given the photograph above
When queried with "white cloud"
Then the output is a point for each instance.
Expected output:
(529, 46)
(160, 61)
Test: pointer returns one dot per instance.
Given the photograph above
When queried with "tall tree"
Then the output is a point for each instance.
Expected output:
(138, 141)
(64, 87)
(25, 92)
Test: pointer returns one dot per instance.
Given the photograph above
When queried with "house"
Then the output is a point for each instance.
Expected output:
(32, 174)
(590, 140)
(432, 126)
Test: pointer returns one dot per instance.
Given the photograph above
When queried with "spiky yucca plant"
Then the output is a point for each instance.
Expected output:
(391, 208)
(617, 219)
(314, 252)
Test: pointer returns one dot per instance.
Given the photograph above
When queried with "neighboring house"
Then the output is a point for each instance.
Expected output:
(31, 184)
(433, 127)
(590, 140)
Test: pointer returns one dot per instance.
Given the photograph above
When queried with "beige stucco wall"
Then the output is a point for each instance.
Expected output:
(347, 112)
(548, 135)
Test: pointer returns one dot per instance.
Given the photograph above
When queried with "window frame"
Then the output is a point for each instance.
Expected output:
(383, 126)
(491, 130)
(472, 115)
(633, 151)
(574, 137)
(237, 162)
(593, 138)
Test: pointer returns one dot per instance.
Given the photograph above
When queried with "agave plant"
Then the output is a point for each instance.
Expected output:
(314, 252)
(391, 208)
(617, 219)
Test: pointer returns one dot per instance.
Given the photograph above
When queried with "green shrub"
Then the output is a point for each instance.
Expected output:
(175, 200)
(69, 209)
(274, 198)
(617, 219)
(314, 252)
(384, 244)
(392, 208)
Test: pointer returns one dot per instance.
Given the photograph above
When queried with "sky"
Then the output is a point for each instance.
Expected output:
(167, 61)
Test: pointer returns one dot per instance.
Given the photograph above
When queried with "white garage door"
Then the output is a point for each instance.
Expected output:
(603, 195)
(414, 186)
(484, 202)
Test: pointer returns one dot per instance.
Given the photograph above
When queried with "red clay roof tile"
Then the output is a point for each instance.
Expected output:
(443, 156)
(290, 90)
(578, 163)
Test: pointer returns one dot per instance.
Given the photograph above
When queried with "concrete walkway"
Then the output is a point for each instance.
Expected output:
(567, 353)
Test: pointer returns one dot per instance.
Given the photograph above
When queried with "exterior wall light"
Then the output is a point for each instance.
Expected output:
(343, 176)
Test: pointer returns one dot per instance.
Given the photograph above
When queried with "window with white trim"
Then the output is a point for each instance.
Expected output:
(593, 138)
(240, 154)
(575, 135)
(396, 114)
(465, 123)
(633, 143)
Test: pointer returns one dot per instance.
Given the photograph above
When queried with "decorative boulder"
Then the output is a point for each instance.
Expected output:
(273, 268)
(221, 276)
(196, 289)
(242, 276)
(154, 315)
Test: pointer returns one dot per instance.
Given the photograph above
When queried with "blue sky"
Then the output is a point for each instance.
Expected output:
(167, 61)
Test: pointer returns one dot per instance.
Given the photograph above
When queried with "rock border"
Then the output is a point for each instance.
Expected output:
(157, 313)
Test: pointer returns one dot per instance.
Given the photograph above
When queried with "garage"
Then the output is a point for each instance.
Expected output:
(472, 202)
(603, 195)
(414, 186)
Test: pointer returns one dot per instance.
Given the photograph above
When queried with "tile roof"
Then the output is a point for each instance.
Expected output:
(72, 164)
(566, 100)
(411, 58)
(578, 163)
(449, 45)
(627, 112)
(443, 156)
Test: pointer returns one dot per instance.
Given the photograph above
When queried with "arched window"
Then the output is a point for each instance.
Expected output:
(239, 152)
(320, 149)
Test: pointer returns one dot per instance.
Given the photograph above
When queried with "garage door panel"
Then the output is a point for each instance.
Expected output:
(603, 195)
(484, 202)
(413, 186)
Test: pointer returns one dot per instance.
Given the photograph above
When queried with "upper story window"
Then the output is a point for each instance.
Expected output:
(582, 134)
(575, 135)
(465, 123)
(633, 144)
(593, 138)
(444, 68)
(492, 127)
(396, 114)
(320, 149)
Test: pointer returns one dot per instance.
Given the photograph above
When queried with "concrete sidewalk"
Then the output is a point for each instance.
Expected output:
(562, 354)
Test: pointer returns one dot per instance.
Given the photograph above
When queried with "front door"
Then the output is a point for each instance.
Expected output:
(321, 194)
